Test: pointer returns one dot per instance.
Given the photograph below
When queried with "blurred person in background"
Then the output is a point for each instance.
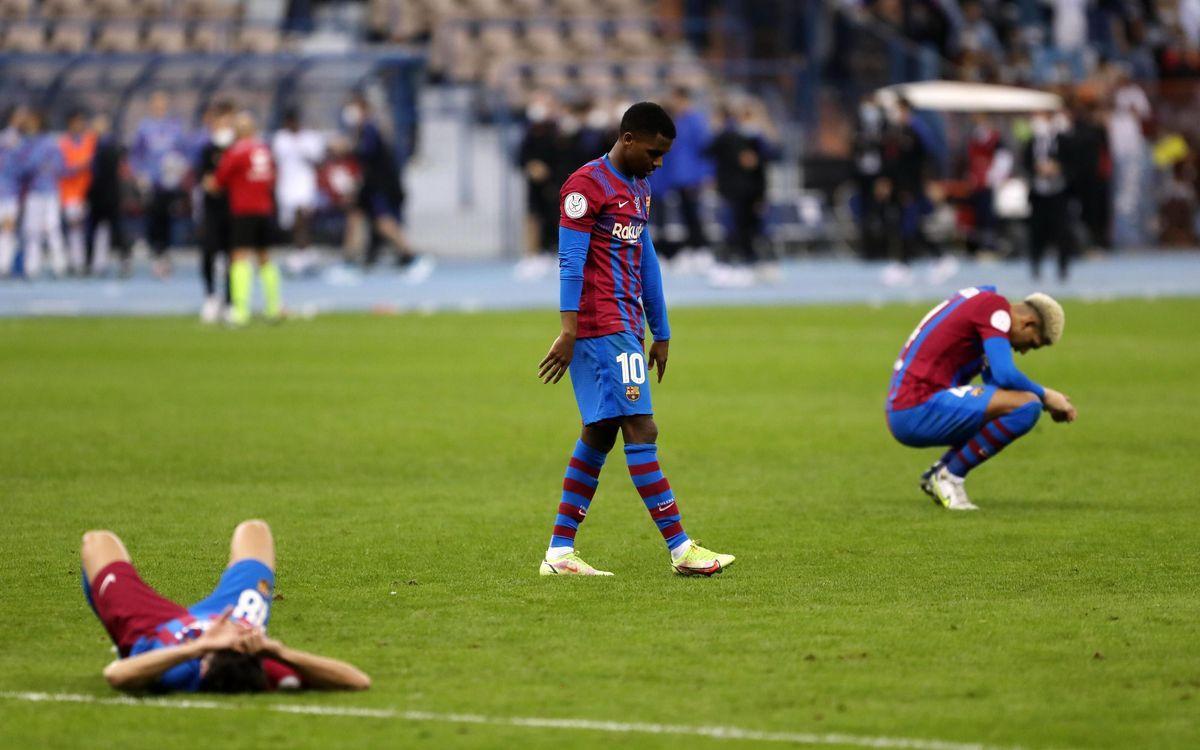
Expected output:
(1048, 161)
(159, 160)
(908, 163)
(42, 169)
(1092, 185)
(215, 222)
(740, 152)
(538, 156)
(1128, 124)
(78, 147)
(104, 201)
(297, 152)
(989, 163)
(246, 173)
(682, 179)
(12, 141)
(381, 198)
(873, 189)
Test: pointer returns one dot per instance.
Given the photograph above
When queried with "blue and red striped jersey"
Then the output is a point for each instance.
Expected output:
(946, 349)
(613, 209)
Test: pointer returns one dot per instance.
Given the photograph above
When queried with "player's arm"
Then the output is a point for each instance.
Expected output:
(655, 304)
(572, 254)
(141, 671)
(318, 672)
(1004, 374)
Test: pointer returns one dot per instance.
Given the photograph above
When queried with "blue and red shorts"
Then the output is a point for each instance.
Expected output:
(950, 417)
(609, 376)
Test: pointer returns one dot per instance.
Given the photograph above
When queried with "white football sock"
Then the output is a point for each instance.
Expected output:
(555, 553)
(681, 550)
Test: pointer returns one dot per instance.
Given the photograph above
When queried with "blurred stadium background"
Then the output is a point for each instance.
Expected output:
(788, 173)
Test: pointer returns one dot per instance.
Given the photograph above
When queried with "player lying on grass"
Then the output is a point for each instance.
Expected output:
(218, 644)
(931, 402)
(608, 271)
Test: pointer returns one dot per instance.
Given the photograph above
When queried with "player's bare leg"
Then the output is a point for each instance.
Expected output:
(641, 453)
(252, 540)
(99, 549)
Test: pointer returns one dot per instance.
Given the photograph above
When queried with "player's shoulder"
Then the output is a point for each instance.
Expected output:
(978, 297)
(586, 176)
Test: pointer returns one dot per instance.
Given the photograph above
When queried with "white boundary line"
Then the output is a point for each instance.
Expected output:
(615, 727)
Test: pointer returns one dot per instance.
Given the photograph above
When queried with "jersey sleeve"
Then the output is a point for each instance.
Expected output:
(579, 203)
(653, 300)
(183, 677)
(992, 317)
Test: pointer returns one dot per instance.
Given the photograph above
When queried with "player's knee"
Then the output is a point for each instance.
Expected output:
(253, 526)
(97, 537)
(1025, 415)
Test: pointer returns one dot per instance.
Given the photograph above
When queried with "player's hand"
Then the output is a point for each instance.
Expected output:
(554, 365)
(251, 641)
(224, 633)
(1060, 407)
(658, 357)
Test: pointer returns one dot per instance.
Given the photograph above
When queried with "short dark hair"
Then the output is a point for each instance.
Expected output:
(647, 118)
(230, 671)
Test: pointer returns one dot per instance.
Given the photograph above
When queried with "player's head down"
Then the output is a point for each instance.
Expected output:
(230, 671)
(646, 135)
(1036, 322)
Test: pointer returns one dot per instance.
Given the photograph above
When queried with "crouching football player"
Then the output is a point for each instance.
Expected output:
(218, 644)
(610, 284)
(931, 402)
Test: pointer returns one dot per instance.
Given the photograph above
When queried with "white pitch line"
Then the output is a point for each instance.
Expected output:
(615, 727)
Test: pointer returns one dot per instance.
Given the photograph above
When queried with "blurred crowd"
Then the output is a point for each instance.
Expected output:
(1093, 175)
(73, 203)
(1021, 42)
(710, 196)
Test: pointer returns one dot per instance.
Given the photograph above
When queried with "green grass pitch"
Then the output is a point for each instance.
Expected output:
(410, 467)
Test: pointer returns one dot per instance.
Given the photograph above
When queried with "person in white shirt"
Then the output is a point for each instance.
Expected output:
(297, 154)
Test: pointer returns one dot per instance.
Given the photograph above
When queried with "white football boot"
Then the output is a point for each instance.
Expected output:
(948, 491)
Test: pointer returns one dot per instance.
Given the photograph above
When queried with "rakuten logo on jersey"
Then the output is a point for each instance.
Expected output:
(628, 232)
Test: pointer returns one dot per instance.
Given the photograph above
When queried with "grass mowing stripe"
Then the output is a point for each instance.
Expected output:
(616, 727)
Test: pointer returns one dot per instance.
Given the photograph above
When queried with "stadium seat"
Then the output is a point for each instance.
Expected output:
(25, 36)
(116, 10)
(167, 37)
(210, 36)
(70, 36)
(12, 10)
(259, 38)
(65, 9)
(211, 10)
(118, 36)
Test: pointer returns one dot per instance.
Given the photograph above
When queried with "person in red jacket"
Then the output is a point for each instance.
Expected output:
(246, 173)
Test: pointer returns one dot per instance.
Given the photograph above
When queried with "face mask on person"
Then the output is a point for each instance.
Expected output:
(568, 125)
(352, 116)
(1040, 127)
(537, 113)
(223, 137)
(597, 119)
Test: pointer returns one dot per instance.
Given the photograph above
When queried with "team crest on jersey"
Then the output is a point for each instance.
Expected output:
(977, 391)
(632, 392)
(575, 205)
